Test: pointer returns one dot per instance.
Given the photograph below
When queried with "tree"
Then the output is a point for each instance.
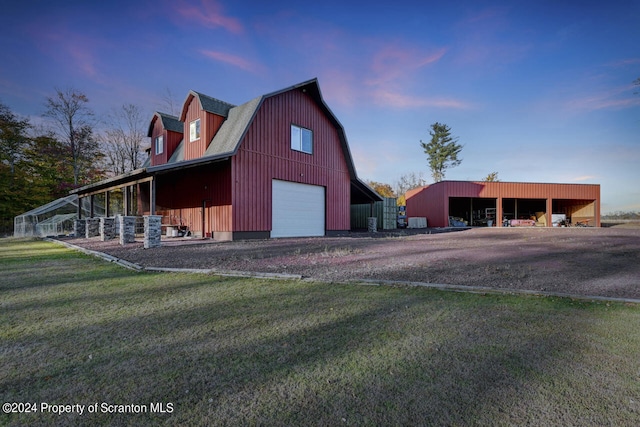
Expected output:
(442, 151)
(47, 162)
(408, 182)
(13, 138)
(492, 177)
(124, 140)
(73, 120)
(170, 103)
(382, 189)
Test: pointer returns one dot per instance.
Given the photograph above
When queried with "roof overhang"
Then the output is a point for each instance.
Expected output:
(361, 193)
(131, 178)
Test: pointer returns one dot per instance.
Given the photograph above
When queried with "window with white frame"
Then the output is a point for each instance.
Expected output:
(159, 144)
(194, 130)
(301, 139)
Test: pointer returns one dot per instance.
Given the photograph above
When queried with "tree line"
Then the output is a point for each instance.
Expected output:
(70, 148)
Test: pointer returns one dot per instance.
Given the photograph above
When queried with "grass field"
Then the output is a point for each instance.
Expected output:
(233, 351)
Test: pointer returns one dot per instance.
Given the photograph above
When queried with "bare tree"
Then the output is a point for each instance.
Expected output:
(410, 181)
(124, 140)
(73, 121)
(170, 103)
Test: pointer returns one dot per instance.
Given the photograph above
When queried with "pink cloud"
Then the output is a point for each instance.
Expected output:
(399, 100)
(84, 59)
(234, 60)
(614, 99)
(585, 178)
(78, 52)
(209, 13)
(394, 62)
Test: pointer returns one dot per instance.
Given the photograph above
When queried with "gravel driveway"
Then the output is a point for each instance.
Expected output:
(580, 261)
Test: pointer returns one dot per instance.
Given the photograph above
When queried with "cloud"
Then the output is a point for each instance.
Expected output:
(394, 62)
(584, 178)
(210, 14)
(399, 100)
(236, 61)
(617, 98)
(78, 53)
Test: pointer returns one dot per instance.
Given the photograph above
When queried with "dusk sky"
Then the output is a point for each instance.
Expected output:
(538, 91)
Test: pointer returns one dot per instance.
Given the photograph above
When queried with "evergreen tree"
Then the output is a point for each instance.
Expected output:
(442, 151)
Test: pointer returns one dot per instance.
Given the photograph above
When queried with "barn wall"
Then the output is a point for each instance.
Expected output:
(171, 141)
(265, 154)
(209, 125)
(158, 159)
(181, 194)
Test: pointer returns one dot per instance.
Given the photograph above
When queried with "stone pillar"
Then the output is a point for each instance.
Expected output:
(107, 228)
(152, 231)
(372, 224)
(127, 229)
(80, 227)
(93, 227)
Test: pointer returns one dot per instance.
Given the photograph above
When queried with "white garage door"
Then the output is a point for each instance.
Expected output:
(297, 209)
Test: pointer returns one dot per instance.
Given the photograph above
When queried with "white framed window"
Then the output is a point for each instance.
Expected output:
(194, 130)
(301, 139)
(159, 144)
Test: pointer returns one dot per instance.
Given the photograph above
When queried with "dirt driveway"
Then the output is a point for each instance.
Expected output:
(580, 261)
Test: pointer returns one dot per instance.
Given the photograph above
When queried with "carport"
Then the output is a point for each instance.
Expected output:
(472, 203)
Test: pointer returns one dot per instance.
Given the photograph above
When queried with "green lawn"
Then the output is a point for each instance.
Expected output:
(235, 351)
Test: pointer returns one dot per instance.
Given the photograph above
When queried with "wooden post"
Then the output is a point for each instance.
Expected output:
(106, 203)
(125, 199)
(152, 196)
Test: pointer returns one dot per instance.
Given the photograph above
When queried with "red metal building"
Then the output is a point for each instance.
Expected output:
(483, 203)
(276, 166)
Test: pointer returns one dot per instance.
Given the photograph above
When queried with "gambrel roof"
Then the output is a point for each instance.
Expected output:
(227, 140)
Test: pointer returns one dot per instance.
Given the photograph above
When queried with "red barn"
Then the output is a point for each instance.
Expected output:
(276, 166)
(477, 203)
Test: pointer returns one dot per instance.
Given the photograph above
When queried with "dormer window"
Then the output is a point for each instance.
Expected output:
(194, 130)
(301, 139)
(159, 144)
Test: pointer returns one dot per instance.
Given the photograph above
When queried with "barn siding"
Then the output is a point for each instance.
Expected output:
(157, 159)
(171, 141)
(209, 125)
(180, 196)
(265, 154)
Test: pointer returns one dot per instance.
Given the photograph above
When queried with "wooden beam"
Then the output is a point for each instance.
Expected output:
(152, 197)
(115, 187)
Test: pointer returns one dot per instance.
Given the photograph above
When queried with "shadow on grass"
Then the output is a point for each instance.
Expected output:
(238, 351)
